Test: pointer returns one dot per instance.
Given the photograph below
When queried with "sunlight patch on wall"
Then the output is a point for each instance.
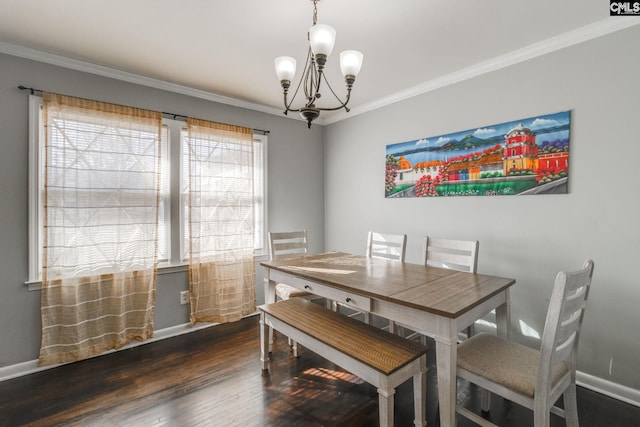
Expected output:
(528, 331)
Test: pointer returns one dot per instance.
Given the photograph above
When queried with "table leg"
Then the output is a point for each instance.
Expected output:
(503, 317)
(269, 297)
(393, 327)
(446, 355)
(264, 343)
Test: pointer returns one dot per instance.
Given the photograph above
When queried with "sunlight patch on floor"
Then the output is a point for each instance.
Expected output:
(331, 374)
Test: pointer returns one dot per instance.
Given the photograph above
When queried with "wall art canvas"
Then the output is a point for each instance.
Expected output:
(527, 156)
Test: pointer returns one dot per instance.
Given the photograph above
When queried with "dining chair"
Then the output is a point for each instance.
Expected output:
(288, 244)
(461, 255)
(533, 378)
(387, 246)
(384, 246)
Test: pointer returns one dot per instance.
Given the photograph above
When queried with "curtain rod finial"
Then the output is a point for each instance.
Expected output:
(32, 90)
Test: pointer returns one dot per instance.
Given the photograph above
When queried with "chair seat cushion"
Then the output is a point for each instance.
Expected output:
(285, 292)
(505, 362)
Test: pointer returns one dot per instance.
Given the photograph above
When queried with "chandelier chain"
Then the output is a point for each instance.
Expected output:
(315, 12)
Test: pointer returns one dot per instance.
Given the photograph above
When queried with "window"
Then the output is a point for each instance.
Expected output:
(172, 249)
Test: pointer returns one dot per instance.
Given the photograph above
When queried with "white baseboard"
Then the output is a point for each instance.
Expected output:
(31, 366)
(599, 385)
(608, 388)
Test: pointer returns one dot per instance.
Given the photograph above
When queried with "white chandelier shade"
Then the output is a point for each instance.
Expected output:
(350, 62)
(322, 38)
(285, 68)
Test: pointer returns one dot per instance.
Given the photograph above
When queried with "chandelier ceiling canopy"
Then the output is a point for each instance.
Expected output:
(321, 41)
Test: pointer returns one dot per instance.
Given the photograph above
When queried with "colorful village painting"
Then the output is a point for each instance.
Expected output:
(528, 156)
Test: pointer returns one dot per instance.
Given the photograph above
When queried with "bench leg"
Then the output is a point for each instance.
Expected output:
(419, 398)
(385, 403)
(265, 332)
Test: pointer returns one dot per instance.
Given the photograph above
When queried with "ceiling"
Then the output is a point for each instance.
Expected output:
(227, 47)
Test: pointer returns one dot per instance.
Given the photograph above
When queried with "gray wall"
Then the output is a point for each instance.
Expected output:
(337, 194)
(294, 151)
(529, 238)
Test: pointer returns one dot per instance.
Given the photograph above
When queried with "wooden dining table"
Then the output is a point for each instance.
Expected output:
(436, 302)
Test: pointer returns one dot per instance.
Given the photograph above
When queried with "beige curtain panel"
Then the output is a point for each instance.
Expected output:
(101, 192)
(221, 220)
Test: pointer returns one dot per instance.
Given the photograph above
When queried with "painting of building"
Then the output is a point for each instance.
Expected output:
(527, 156)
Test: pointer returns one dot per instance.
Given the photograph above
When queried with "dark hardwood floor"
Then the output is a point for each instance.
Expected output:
(212, 377)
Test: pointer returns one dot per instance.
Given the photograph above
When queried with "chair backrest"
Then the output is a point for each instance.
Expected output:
(564, 322)
(288, 243)
(389, 246)
(459, 255)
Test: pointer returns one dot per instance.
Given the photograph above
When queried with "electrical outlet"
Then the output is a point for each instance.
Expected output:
(184, 297)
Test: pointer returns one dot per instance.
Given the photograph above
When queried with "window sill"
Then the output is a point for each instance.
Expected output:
(163, 268)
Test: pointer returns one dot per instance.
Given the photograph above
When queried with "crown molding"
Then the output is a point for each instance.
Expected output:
(582, 34)
(87, 67)
(571, 38)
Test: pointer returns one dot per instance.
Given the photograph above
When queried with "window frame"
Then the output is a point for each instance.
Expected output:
(173, 213)
(261, 193)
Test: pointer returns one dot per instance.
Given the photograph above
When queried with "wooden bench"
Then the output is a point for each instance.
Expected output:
(378, 357)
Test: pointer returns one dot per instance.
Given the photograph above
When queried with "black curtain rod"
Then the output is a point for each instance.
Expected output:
(164, 113)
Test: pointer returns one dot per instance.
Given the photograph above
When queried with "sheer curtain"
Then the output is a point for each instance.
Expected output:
(220, 216)
(102, 181)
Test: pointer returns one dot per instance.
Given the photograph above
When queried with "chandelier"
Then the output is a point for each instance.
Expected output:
(321, 40)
